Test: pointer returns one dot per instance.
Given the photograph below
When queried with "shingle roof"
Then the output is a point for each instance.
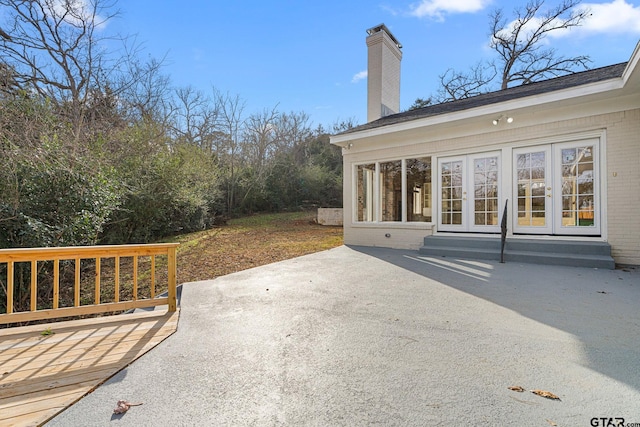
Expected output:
(555, 84)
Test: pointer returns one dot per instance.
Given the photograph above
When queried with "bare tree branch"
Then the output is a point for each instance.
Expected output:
(520, 44)
(456, 85)
(523, 52)
(55, 49)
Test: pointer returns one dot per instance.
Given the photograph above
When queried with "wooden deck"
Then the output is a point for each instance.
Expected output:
(41, 375)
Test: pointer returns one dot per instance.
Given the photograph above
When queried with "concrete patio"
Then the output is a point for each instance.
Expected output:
(370, 336)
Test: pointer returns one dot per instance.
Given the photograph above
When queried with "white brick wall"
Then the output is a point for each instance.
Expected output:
(620, 149)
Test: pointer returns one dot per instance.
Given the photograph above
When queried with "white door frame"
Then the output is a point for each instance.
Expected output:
(460, 196)
(588, 178)
(454, 194)
(550, 221)
(532, 191)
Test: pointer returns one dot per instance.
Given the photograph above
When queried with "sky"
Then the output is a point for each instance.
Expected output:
(310, 56)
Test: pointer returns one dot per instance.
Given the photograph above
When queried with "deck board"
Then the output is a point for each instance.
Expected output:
(41, 376)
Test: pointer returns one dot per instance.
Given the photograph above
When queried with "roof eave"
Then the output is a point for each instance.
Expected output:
(529, 102)
(631, 72)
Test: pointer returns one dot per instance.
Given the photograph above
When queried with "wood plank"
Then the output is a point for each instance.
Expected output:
(36, 419)
(97, 375)
(73, 327)
(9, 287)
(76, 284)
(34, 286)
(66, 366)
(21, 366)
(24, 381)
(26, 316)
(59, 343)
(56, 284)
(12, 406)
(66, 350)
(71, 252)
(72, 324)
(97, 284)
(54, 345)
(172, 275)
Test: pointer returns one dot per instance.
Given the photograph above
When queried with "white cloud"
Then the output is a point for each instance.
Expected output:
(617, 17)
(75, 12)
(359, 76)
(438, 8)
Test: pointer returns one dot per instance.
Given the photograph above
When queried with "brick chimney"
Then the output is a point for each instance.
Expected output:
(383, 79)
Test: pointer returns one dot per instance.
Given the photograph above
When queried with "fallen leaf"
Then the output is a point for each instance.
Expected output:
(546, 394)
(517, 388)
(123, 406)
(551, 423)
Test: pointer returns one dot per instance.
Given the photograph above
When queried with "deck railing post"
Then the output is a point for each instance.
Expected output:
(172, 273)
(10, 287)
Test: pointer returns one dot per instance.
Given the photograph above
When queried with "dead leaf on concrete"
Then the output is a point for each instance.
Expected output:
(123, 406)
(517, 388)
(544, 393)
(552, 423)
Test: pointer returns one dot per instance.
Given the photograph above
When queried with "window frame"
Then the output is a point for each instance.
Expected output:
(378, 189)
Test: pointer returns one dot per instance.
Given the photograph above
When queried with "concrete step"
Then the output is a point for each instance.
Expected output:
(559, 246)
(460, 252)
(566, 259)
(477, 242)
(535, 251)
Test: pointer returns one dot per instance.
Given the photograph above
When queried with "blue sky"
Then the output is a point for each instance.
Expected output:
(307, 55)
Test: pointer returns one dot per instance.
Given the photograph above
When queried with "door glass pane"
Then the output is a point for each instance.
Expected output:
(485, 190)
(451, 176)
(531, 172)
(364, 189)
(578, 201)
(419, 189)
(391, 190)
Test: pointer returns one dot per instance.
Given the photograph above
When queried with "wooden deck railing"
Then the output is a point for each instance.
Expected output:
(9, 258)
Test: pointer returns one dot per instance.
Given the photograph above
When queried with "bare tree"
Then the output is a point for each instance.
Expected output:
(456, 85)
(230, 125)
(147, 91)
(293, 129)
(56, 49)
(195, 118)
(524, 56)
(260, 138)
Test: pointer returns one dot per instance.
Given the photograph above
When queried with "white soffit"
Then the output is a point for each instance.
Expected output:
(574, 95)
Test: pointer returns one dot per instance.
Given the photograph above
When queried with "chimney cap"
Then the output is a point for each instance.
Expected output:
(384, 28)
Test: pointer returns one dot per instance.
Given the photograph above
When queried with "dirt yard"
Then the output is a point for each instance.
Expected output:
(251, 242)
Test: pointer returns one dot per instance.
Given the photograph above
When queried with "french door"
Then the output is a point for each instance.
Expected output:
(556, 189)
(469, 197)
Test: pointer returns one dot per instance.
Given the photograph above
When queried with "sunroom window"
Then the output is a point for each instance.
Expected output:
(391, 190)
(419, 189)
(394, 191)
(365, 175)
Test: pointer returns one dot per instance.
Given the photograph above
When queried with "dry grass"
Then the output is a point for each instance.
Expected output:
(243, 243)
(251, 242)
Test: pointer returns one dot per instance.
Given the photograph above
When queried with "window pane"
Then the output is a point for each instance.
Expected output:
(391, 190)
(485, 190)
(419, 189)
(364, 187)
(577, 187)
